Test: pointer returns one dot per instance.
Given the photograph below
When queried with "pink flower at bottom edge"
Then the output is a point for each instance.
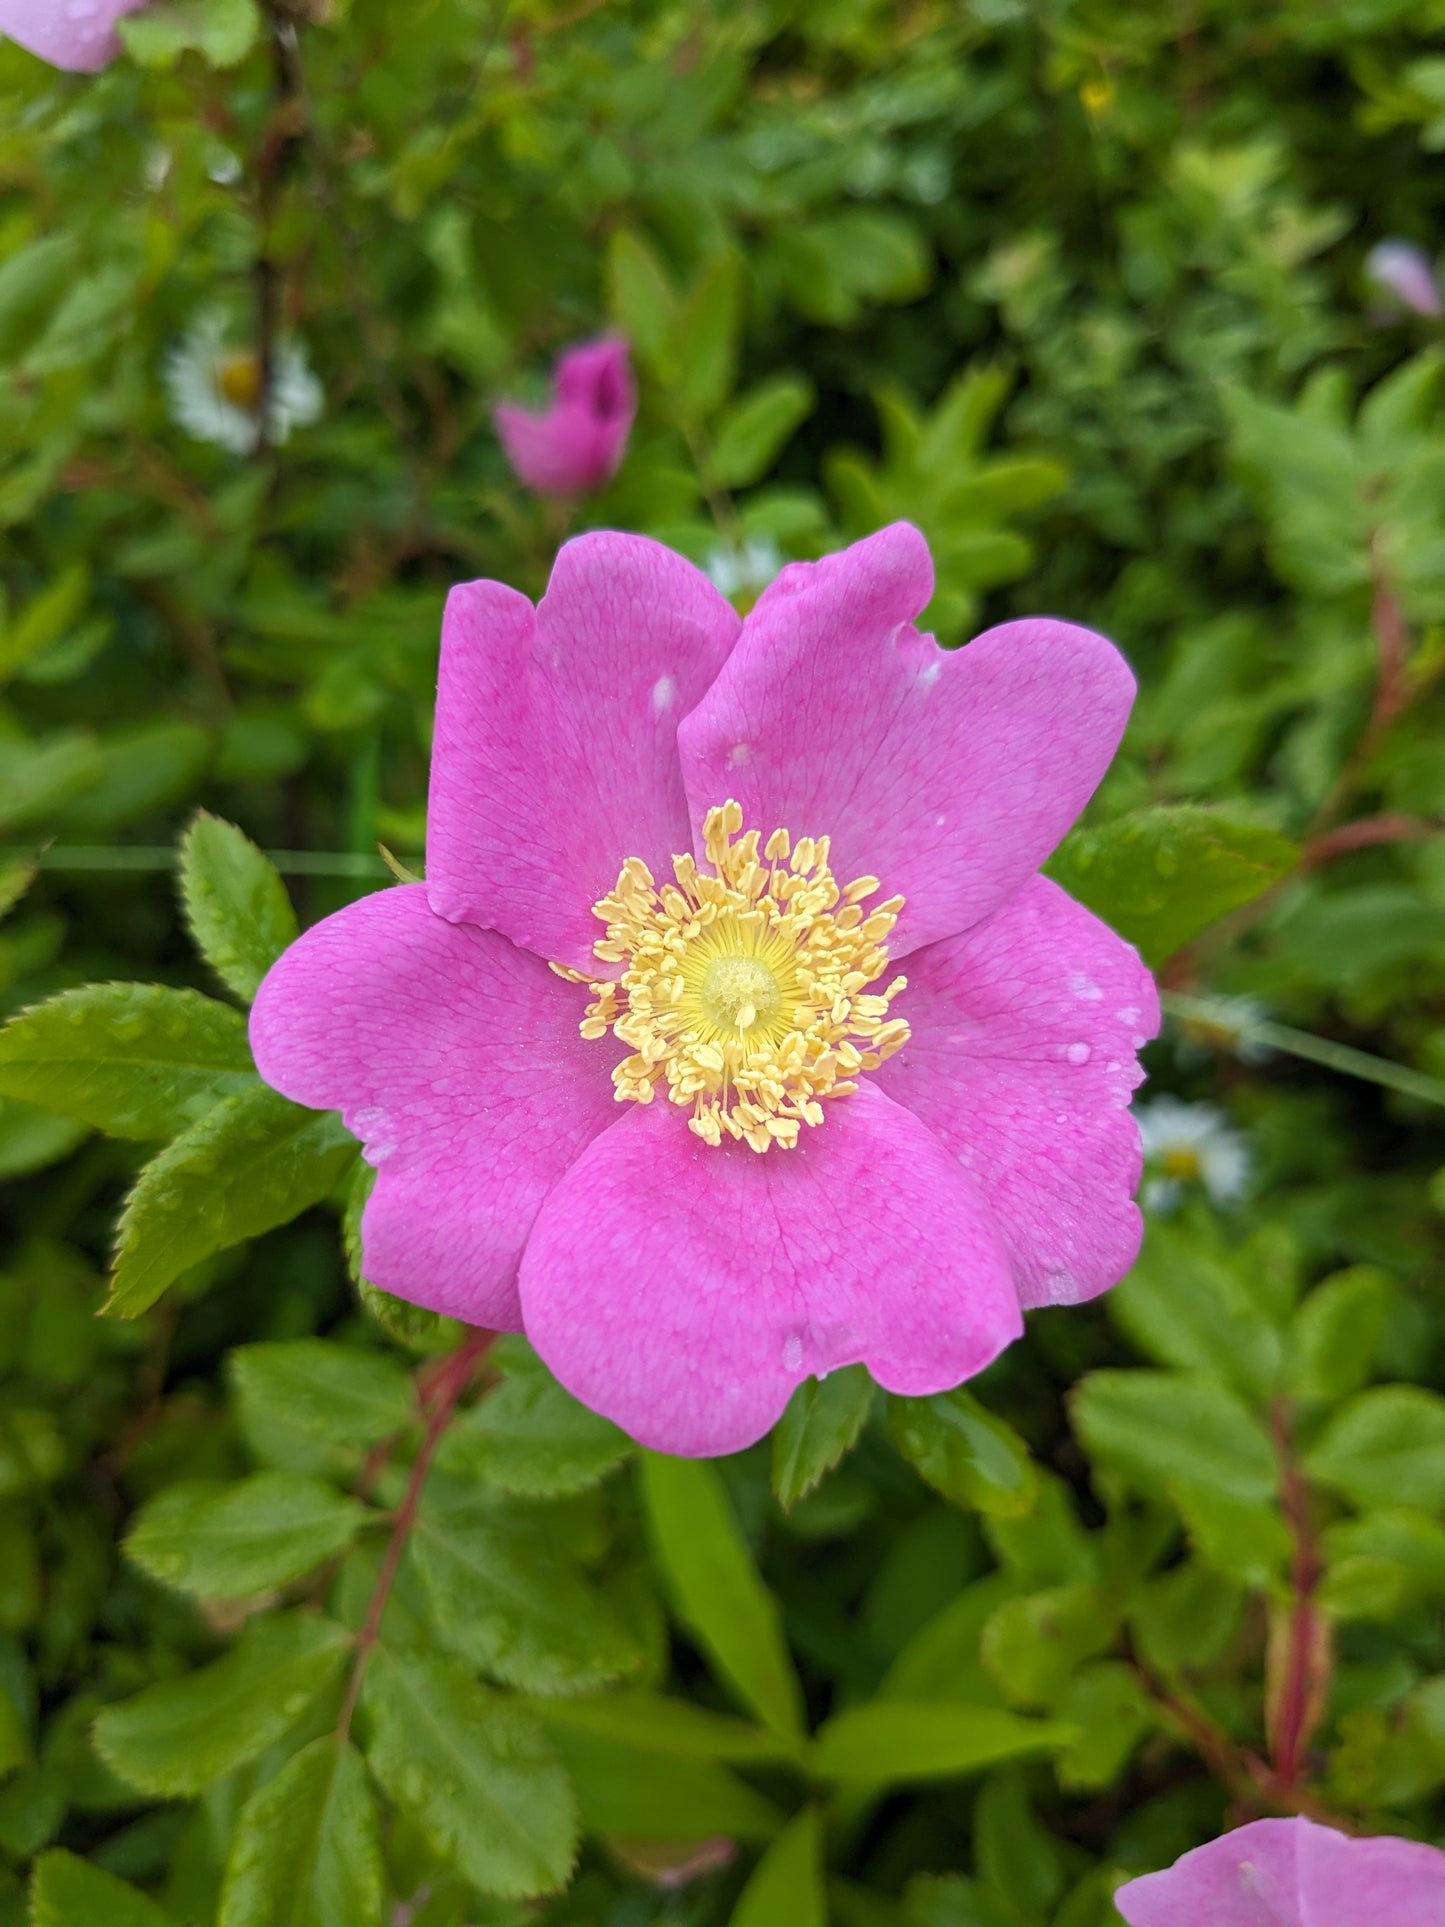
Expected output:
(809, 1165)
(575, 444)
(77, 35)
(1292, 1873)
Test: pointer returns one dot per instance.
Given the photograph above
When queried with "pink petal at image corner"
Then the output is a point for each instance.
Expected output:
(1292, 1873)
(76, 35)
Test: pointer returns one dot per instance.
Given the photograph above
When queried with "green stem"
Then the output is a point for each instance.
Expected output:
(135, 858)
(1302, 1043)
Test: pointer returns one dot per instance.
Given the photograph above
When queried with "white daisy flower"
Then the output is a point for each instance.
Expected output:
(744, 571)
(1190, 1144)
(215, 390)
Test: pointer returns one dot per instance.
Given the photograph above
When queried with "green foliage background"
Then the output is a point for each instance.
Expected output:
(1077, 286)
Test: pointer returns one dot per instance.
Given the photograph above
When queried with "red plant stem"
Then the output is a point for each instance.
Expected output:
(439, 1391)
(1393, 692)
(1291, 1735)
(1252, 1781)
(1392, 826)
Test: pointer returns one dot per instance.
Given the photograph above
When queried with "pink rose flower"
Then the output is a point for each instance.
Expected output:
(809, 1165)
(575, 444)
(78, 35)
(1404, 271)
(1292, 1873)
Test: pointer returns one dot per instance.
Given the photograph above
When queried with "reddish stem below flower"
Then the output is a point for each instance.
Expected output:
(1304, 1670)
(438, 1390)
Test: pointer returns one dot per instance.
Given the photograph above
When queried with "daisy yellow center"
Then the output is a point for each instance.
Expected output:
(238, 377)
(744, 994)
(1182, 1164)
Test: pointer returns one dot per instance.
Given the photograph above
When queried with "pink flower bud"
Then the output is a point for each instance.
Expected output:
(575, 444)
(1401, 269)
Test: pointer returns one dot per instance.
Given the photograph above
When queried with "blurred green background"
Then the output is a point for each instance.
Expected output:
(1088, 290)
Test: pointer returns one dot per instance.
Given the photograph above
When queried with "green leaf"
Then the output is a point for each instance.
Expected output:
(476, 1773)
(1243, 1539)
(1383, 1564)
(232, 1541)
(1385, 1447)
(139, 770)
(786, 1887)
(44, 619)
(641, 298)
(329, 1391)
(505, 1595)
(718, 1594)
(307, 1848)
(33, 280)
(14, 1741)
(943, 1660)
(821, 1423)
(965, 1452)
(705, 338)
(251, 1163)
(135, 1060)
(1034, 1644)
(1112, 1713)
(1017, 1859)
(751, 431)
(179, 1736)
(66, 1891)
(1337, 1332)
(32, 1451)
(223, 32)
(642, 1791)
(1161, 875)
(1186, 1617)
(15, 880)
(31, 1139)
(895, 1741)
(960, 421)
(235, 903)
(953, 1900)
(1156, 1427)
(36, 779)
(660, 1725)
(1187, 1306)
(530, 1436)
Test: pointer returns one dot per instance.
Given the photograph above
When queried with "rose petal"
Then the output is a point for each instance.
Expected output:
(455, 1058)
(1246, 1879)
(1292, 1873)
(685, 1290)
(80, 40)
(555, 755)
(949, 774)
(1392, 1882)
(1022, 1060)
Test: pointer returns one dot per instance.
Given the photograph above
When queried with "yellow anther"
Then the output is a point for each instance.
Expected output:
(744, 992)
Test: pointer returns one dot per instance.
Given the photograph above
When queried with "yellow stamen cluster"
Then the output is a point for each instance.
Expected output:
(747, 990)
